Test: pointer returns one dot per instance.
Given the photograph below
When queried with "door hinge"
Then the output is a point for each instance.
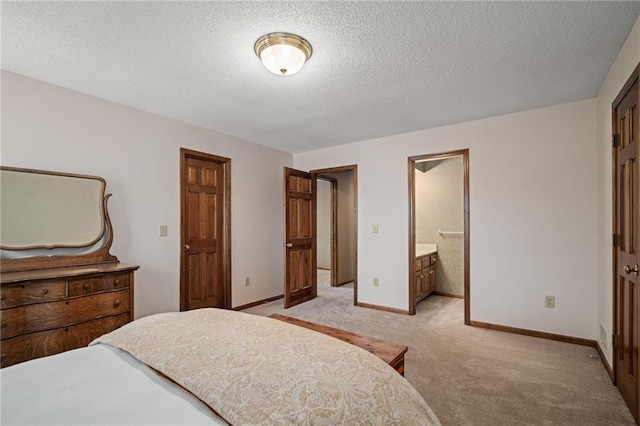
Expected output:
(615, 340)
(613, 140)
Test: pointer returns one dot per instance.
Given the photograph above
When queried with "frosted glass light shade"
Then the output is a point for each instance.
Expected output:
(283, 53)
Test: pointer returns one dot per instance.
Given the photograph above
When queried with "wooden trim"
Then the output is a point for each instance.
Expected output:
(467, 226)
(334, 233)
(604, 362)
(343, 283)
(614, 220)
(635, 74)
(354, 169)
(338, 169)
(533, 333)
(258, 302)
(411, 171)
(457, 296)
(615, 212)
(382, 308)
(226, 245)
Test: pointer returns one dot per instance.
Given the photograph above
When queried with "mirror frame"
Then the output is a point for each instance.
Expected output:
(99, 255)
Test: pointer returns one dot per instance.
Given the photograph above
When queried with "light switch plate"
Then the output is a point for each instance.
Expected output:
(163, 230)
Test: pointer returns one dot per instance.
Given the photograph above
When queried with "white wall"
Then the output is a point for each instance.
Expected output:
(626, 61)
(346, 227)
(533, 214)
(323, 232)
(48, 127)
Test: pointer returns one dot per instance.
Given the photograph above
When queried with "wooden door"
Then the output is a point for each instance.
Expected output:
(204, 270)
(300, 274)
(627, 233)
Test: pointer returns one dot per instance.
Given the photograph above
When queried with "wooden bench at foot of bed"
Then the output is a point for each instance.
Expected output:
(391, 354)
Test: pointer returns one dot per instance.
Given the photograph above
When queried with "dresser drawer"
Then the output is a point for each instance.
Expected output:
(44, 343)
(47, 316)
(82, 286)
(31, 292)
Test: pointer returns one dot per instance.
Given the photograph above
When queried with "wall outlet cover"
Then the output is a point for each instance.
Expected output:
(549, 301)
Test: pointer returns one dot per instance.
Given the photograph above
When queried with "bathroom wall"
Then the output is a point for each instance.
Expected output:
(440, 206)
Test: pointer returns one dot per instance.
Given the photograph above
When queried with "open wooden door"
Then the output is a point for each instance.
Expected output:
(626, 125)
(300, 274)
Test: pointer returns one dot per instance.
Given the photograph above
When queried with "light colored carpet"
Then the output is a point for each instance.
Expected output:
(474, 376)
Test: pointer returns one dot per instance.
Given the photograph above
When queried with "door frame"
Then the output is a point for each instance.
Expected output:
(226, 218)
(615, 215)
(354, 169)
(334, 226)
(412, 226)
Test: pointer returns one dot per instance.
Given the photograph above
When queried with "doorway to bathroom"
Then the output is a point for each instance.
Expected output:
(439, 227)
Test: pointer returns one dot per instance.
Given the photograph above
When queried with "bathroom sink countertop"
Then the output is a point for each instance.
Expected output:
(424, 249)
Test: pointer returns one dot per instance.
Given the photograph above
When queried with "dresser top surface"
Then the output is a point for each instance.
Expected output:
(72, 271)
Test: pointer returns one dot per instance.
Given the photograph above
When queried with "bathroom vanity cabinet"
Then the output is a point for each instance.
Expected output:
(425, 282)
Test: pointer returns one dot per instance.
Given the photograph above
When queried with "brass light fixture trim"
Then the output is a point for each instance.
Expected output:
(283, 38)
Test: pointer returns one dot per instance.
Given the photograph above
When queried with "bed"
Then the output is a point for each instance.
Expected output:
(211, 366)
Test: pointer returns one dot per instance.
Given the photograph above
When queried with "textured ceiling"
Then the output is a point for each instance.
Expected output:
(378, 68)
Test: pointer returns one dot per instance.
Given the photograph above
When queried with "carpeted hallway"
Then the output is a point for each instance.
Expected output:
(473, 376)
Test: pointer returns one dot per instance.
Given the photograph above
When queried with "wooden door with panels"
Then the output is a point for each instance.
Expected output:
(205, 266)
(626, 128)
(300, 275)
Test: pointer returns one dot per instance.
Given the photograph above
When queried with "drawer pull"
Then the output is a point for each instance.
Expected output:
(116, 303)
(86, 286)
(116, 282)
(4, 324)
(45, 291)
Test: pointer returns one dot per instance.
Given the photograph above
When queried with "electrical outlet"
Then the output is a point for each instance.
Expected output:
(374, 228)
(376, 281)
(163, 230)
(549, 301)
(247, 281)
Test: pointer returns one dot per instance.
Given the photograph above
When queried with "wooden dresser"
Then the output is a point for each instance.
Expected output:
(48, 311)
(60, 287)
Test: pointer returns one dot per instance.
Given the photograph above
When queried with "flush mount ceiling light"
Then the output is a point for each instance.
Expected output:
(283, 53)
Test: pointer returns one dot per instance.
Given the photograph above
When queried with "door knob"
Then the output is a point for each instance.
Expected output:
(187, 247)
(289, 245)
(629, 269)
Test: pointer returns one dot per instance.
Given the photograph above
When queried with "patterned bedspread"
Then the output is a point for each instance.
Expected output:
(257, 370)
